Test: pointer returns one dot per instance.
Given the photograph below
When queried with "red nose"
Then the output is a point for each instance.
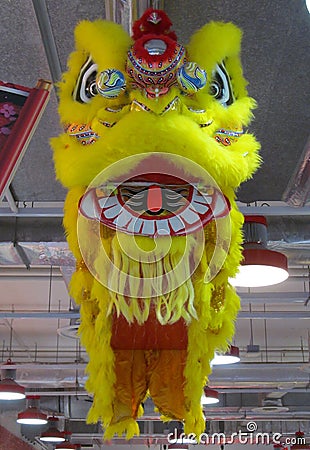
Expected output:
(154, 198)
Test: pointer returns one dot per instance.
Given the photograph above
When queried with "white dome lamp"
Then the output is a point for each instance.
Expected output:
(9, 389)
(209, 397)
(32, 415)
(229, 357)
(260, 266)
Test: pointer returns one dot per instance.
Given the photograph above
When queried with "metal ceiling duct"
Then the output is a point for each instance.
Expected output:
(256, 377)
(290, 235)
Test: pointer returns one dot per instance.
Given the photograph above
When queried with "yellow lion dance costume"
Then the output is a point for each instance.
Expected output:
(153, 150)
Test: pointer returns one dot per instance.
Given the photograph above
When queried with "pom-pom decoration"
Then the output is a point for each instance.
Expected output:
(153, 22)
(150, 214)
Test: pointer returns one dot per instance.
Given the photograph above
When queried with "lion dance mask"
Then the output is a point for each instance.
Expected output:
(153, 151)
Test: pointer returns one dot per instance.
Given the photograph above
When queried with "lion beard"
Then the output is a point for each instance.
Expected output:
(143, 273)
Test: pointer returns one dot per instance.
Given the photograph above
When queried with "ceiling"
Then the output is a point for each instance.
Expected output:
(36, 265)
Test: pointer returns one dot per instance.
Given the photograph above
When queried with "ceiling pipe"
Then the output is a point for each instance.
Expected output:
(289, 315)
(48, 212)
(274, 210)
(39, 315)
(56, 211)
(263, 315)
(249, 368)
(11, 200)
(247, 375)
(80, 392)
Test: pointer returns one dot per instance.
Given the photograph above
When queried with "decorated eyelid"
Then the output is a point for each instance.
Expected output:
(220, 86)
(86, 88)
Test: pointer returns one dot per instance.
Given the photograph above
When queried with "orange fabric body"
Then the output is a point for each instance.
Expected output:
(150, 335)
(159, 371)
(149, 357)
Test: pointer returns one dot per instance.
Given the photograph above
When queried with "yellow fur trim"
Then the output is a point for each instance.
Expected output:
(220, 41)
(129, 427)
(101, 379)
(229, 166)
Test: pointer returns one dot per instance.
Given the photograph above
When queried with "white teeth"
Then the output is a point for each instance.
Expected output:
(131, 226)
(137, 225)
(190, 216)
(200, 207)
(220, 205)
(207, 199)
(113, 212)
(176, 223)
(107, 202)
(148, 227)
(202, 198)
(123, 219)
(88, 206)
(162, 227)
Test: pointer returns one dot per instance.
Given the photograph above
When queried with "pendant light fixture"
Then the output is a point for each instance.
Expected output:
(52, 434)
(32, 415)
(9, 389)
(66, 444)
(209, 397)
(260, 266)
(230, 357)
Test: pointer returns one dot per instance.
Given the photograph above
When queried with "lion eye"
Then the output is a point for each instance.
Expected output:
(86, 88)
(220, 87)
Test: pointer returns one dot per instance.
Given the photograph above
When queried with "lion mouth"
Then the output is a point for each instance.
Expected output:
(149, 208)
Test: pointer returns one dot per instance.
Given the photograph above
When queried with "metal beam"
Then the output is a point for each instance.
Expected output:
(283, 211)
(39, 315)
(273, 297)
(48, 40)
(50, 366)
(11, 200)
(48, 212)
(55, 209)
(274, 315)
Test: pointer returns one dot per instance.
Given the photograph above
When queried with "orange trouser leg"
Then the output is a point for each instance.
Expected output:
(131, 383)
(160, 371)
(165, 370)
